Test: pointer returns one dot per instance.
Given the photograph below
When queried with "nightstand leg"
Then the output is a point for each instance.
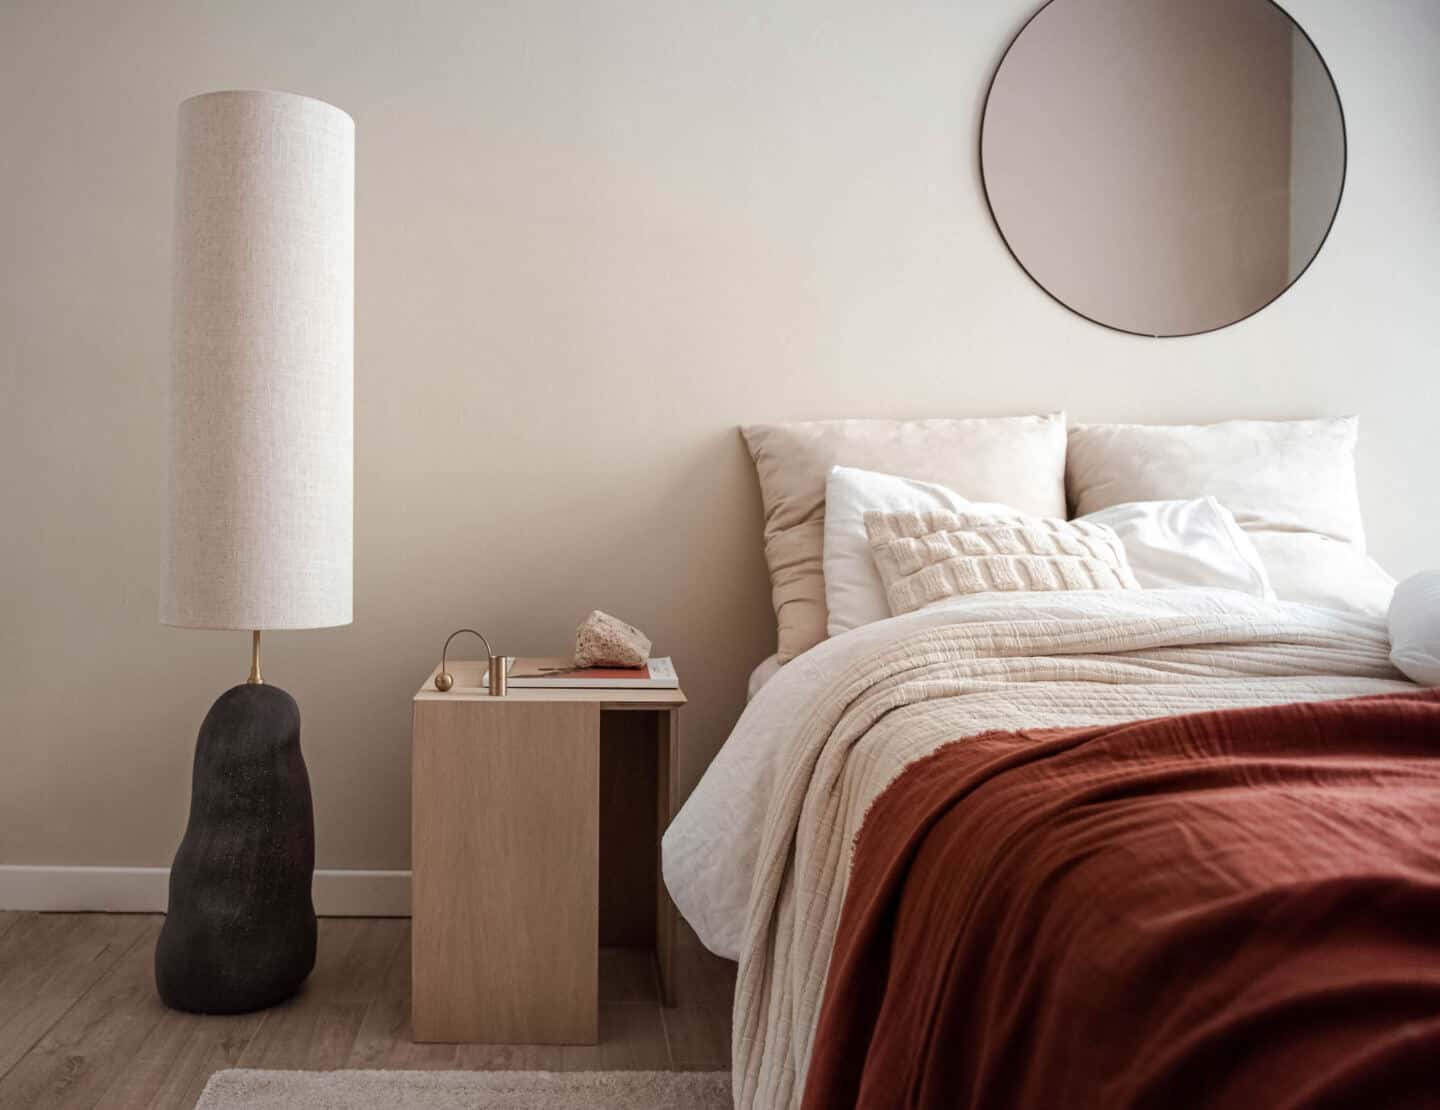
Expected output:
(667, 763)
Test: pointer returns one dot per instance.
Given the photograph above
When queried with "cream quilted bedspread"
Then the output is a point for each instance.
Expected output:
(958, 673)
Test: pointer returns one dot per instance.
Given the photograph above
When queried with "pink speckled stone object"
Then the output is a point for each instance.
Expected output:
(606, 641)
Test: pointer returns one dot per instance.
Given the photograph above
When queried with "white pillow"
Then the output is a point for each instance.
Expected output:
(1290, 484)
(1187, 543)
(764, 671)
(1168, 543)
(1320, 571)
(1415, 627)
(854, 593)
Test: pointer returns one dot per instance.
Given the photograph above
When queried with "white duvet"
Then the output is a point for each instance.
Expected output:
(758, 857)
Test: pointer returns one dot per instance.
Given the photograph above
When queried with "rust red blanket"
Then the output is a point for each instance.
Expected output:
(1236, 909)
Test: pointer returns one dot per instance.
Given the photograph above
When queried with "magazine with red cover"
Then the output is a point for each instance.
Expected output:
(561, 673)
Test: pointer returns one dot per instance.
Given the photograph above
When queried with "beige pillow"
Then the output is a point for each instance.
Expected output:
(1017, 461)
(1273, 475)
(1289, 483)
(925, 557)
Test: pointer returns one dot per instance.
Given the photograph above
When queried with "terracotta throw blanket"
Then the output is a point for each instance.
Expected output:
(1227, 909)
(1027, 661)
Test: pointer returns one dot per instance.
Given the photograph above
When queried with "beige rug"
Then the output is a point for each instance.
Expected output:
(243, 1089)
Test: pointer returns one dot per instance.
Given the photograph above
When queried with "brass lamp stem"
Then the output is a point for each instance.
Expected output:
(255, 678)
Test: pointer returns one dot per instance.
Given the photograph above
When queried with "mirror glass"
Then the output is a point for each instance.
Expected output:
(1163, 167)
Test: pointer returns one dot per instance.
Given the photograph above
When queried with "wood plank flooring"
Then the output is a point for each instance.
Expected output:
(82, 1028)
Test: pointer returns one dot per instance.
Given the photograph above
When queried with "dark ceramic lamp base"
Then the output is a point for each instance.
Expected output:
(240, 931)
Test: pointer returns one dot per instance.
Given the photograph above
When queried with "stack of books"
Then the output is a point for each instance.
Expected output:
(560, 674)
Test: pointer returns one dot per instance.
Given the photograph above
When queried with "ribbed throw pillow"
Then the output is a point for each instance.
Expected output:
(927, 557)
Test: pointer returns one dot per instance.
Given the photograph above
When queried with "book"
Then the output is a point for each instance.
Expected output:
(561, 674)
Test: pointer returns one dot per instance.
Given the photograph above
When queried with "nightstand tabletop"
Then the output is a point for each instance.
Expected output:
(470, 678)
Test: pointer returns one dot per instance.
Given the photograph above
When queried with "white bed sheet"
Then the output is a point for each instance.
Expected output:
(710, 850)
(767, 669)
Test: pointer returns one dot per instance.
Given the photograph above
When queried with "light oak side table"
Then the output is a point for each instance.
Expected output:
(535, 838)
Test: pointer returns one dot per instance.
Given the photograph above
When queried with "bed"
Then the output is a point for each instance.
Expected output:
(849, 807)
(759, 858)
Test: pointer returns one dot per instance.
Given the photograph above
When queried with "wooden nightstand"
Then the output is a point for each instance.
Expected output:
(535, 838)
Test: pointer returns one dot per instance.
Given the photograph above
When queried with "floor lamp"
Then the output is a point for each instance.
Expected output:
(260, 519)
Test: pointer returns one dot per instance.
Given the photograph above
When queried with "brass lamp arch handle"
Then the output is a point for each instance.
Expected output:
(444, 680)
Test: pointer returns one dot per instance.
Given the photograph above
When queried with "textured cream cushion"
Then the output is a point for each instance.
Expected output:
(929, 556)
(1018, 461)
(854, 594)
(1289, 483)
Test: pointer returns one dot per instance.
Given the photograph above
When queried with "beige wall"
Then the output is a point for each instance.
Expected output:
(592, 239)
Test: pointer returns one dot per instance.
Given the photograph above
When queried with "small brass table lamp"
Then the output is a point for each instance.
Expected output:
(496, 666)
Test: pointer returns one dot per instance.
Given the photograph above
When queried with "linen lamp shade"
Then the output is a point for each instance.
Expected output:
(261, 476)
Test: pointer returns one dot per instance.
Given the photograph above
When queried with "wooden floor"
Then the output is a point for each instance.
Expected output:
(81, 1026)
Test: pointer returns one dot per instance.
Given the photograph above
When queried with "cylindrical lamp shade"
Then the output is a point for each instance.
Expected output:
(261, 517)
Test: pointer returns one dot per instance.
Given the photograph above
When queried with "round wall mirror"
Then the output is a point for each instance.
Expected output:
(1163, 167)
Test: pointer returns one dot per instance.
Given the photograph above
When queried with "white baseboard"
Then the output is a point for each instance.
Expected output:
(146, 890)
